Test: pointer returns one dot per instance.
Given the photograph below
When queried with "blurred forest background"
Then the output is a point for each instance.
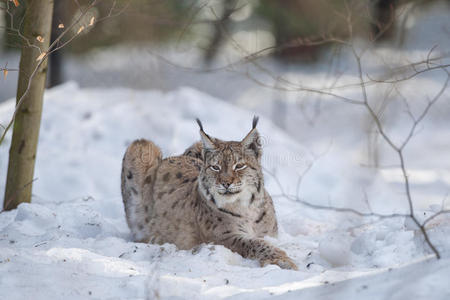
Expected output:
(149, 44)
(293, 61)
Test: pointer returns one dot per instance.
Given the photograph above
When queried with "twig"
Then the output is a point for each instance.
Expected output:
(52, 48)
(399, 149)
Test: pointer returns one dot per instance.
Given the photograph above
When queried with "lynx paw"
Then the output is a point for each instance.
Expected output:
(283, 262)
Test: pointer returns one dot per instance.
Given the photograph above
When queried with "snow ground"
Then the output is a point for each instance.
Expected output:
(72, 242)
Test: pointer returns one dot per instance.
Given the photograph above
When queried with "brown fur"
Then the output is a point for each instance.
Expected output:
(214, 193)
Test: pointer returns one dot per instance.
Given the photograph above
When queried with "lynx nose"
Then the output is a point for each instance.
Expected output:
(226, 185)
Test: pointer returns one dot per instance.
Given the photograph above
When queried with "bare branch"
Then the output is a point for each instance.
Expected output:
(52, 48)
(399, 149)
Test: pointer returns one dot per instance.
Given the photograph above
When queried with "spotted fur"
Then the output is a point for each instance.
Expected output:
(213, 193)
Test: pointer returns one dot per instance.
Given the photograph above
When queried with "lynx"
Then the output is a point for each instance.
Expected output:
(213, 193)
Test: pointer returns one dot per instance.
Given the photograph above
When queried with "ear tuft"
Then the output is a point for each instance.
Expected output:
(199, 123)
(207, 141)
(255, 122)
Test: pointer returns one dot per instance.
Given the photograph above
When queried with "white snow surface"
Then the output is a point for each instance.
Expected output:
(72, 241)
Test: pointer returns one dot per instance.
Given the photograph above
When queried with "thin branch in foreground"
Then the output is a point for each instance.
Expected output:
(399, 149)
(296, 198)
(56, 45)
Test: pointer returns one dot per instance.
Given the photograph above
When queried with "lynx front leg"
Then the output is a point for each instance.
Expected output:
(259, 249)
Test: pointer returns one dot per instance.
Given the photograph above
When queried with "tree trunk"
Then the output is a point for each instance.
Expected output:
(384, 14)
(56, 76)
(222, 24)
(22, 153)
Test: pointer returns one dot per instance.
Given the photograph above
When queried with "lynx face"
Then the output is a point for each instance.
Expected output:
(231, 170)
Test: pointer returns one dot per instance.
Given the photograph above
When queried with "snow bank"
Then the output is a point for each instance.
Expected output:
(72, 241)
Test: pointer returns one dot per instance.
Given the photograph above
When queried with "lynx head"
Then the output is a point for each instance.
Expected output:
(231, 169)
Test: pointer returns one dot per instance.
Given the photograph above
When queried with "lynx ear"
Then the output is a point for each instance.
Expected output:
(252, 141)
(207, 142)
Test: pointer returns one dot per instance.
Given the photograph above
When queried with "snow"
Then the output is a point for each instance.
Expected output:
(72, 241)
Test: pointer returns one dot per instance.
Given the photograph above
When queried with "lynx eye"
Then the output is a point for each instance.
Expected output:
(238, 167)
(215, 168)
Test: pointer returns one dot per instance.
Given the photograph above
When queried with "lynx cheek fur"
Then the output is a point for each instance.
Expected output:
(213, 193)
